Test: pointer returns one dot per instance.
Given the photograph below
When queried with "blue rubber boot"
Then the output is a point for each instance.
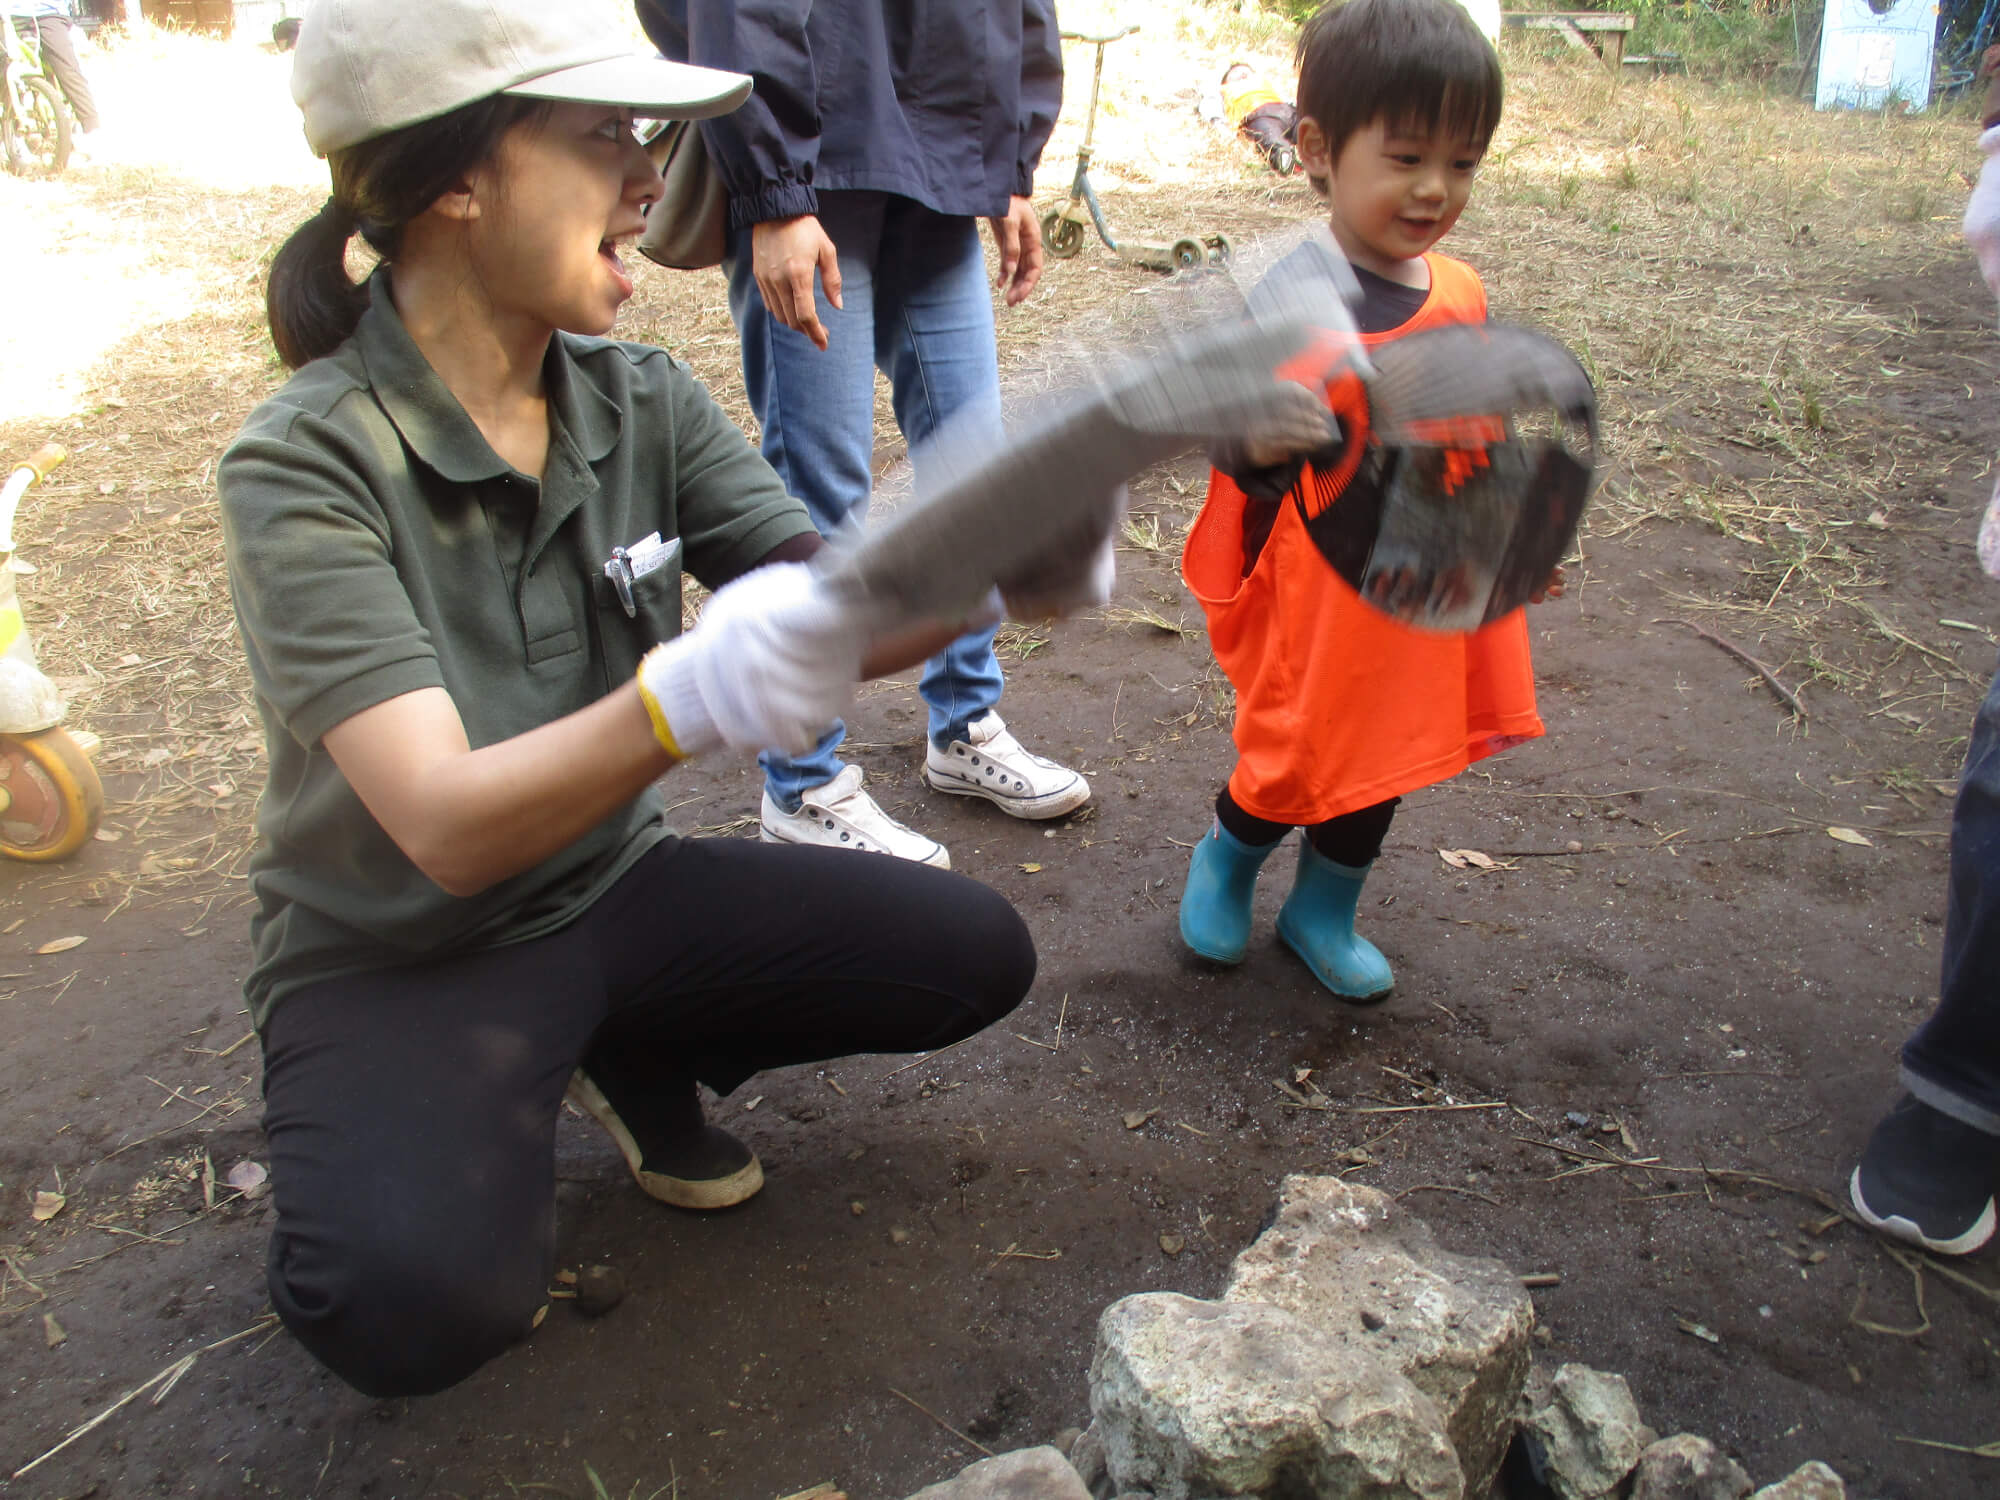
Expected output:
(1215, 903)
(1317, 923)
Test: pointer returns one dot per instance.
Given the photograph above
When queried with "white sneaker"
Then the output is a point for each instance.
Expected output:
(992, 764)
(840, 815)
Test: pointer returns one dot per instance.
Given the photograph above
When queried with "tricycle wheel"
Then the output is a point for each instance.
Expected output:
(50, 797)
(1061, 237)
(1219, 249)
(38, 143)
(1187, 254)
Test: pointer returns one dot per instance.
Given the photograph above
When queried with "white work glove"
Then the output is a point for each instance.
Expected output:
(770, 665)
(1982, 212)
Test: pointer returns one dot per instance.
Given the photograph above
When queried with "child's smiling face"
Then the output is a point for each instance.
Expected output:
(1394, 191)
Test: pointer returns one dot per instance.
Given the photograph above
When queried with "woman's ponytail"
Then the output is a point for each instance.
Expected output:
(379, 186)
(312, 305)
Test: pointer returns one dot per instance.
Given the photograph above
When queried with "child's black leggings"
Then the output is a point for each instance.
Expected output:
(1352, 839)
(412, 1111)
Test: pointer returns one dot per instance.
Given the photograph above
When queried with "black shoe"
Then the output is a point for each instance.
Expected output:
(1928, 1179)
(688, 1163)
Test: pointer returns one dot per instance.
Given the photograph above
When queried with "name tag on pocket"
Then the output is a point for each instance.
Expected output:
(629, 564)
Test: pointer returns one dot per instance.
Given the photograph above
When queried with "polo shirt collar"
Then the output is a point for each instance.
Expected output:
(433, 423)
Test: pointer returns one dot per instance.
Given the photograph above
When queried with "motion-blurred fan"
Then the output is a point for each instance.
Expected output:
(1481, 455)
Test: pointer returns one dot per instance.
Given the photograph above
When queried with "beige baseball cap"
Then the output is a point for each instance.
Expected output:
(366, 67)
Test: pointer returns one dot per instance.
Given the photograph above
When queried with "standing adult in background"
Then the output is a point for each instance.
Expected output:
(52, 19)
(876, 139)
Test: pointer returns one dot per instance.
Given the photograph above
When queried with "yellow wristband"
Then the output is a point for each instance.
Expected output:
(662, 730)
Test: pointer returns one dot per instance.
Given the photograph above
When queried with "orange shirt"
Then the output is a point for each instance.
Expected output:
(1339, 707)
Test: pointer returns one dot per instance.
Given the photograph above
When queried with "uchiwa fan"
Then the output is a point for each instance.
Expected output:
(1027, 509)
(1480, 455)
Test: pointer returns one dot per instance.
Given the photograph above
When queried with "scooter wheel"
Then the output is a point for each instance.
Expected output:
(1186, 255)
(1061, 237)
(53, 799)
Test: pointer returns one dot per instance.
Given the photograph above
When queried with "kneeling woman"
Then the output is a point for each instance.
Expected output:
(455, 544)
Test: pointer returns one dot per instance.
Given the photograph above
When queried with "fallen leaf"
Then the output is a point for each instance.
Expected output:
(1302, 1075)
(48, 1205)
(62, 944)
(1031, 868)
(250, 1178)
(1460, 859)
(1849, 836)
(53, 1331)
(1172, 1244)
(108, 835)
(1139, 1117)
(130, 659)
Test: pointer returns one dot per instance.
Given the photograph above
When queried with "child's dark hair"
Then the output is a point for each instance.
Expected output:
(379, 186)
(1416, 63)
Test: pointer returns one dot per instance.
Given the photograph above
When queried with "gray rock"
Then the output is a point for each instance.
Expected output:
(1686, 1467)
(1813, 1481)
(1086, 1456)
(1352, 1263)
(1200, 1399)
(1588, 1432)
(1028, 1474)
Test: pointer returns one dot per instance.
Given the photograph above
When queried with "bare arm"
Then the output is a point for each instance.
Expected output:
(470, 819)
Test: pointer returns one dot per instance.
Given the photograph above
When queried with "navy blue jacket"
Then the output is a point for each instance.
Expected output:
(948, 102)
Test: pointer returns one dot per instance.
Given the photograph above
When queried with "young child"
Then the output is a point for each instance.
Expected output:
(1340, 709)
(1261, 117)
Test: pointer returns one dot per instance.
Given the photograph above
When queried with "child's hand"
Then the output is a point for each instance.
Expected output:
(1296, 422)
(1550, 589)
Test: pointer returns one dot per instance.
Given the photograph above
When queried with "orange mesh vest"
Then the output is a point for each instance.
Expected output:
(1339, 707)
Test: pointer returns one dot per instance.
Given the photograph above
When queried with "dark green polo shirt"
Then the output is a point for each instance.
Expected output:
(378, 545)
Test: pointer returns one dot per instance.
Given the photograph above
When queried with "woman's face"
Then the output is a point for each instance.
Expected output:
(560, 196)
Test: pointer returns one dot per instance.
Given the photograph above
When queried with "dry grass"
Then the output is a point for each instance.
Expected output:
(1701, 248)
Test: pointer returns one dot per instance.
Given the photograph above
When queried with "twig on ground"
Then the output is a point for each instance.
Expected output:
(1916, 1269)
(1785, 694)
(166, 1380)
(1982, 1450)
(977, 1447)
(918, 1061)
(1445, 1187)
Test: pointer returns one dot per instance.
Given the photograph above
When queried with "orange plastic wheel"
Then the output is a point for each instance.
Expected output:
(50, 797)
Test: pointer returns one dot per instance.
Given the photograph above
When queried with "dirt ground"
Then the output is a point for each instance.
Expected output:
(1639, 1052)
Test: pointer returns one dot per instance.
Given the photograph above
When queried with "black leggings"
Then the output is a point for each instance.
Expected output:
(1353, 839)
(412, 1112)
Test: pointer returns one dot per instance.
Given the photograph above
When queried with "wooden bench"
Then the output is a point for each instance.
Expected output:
(1602, 32)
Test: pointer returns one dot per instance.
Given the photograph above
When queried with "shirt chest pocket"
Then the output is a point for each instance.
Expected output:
(655, 616)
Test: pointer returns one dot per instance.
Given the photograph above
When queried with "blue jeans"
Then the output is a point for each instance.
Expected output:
(916, 305)
(1952, 1061)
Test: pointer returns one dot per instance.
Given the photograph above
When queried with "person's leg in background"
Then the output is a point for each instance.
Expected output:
(816, 410)
(1931, 1168)
(59, 53)
(935, 341)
